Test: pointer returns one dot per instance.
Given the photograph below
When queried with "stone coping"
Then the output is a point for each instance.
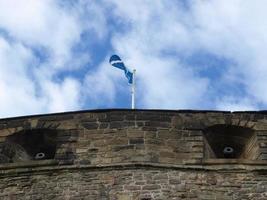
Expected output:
(193, 162)
(52, 165)
(32, 163)
(132, 110)
(233, 161)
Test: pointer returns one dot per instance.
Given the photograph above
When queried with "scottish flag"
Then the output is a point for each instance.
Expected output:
(115, 61)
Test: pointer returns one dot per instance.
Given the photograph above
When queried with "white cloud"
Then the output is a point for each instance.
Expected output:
(41, 23)
(17, 95)
(156, 38)
(236, 30)
(164, 82)
(232, 30)
(30, 84)
(99, 88)
(62, 96)
(19, 92)
(235, 104)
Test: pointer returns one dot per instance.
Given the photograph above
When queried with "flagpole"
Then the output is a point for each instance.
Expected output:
(133, 90)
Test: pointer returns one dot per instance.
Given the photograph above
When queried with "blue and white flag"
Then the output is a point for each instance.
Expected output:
(115, 61)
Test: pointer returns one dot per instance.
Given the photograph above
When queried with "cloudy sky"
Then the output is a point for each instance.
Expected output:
(189, 54)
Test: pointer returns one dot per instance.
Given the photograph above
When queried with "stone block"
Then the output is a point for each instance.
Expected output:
(147, 128)
(90, 125)
(6, 132)
(115, 117)
(132, 187)
(151, 187)
(157, 124)
(150, 134)
(136, 141)
(103, 125)
(154, 142)
(135, 133)
(160, 177)
(123, 147)
(166, 154)
(118, 141)
(166, 134)
(117, 124)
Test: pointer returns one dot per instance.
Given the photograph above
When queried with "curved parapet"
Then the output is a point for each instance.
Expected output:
(134, 154)
(125, 136)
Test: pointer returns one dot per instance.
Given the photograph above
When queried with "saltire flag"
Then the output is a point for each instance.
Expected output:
(115, 61)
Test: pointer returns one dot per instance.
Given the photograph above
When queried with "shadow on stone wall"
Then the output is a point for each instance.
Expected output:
(38, 144)
(229, 141)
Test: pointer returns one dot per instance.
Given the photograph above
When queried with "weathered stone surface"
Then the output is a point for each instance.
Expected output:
(136, 141)
(90, 125)
(125, 184)
(133, 155)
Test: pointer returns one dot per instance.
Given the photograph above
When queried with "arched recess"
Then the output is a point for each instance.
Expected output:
(230, 141)
(36, 144)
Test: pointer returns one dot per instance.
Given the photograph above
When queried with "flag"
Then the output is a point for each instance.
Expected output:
(115, 61)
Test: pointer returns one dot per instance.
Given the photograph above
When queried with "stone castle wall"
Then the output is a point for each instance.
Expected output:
(141, 154)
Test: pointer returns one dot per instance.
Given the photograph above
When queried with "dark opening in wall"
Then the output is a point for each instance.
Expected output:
(228, 141)
(36, 144)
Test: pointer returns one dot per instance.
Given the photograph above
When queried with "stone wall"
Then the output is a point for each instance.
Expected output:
(140, 154)
(140, 182)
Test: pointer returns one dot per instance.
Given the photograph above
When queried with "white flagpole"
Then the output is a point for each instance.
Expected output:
(133, 90)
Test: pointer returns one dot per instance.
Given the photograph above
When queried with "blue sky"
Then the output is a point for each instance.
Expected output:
(195, 54)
